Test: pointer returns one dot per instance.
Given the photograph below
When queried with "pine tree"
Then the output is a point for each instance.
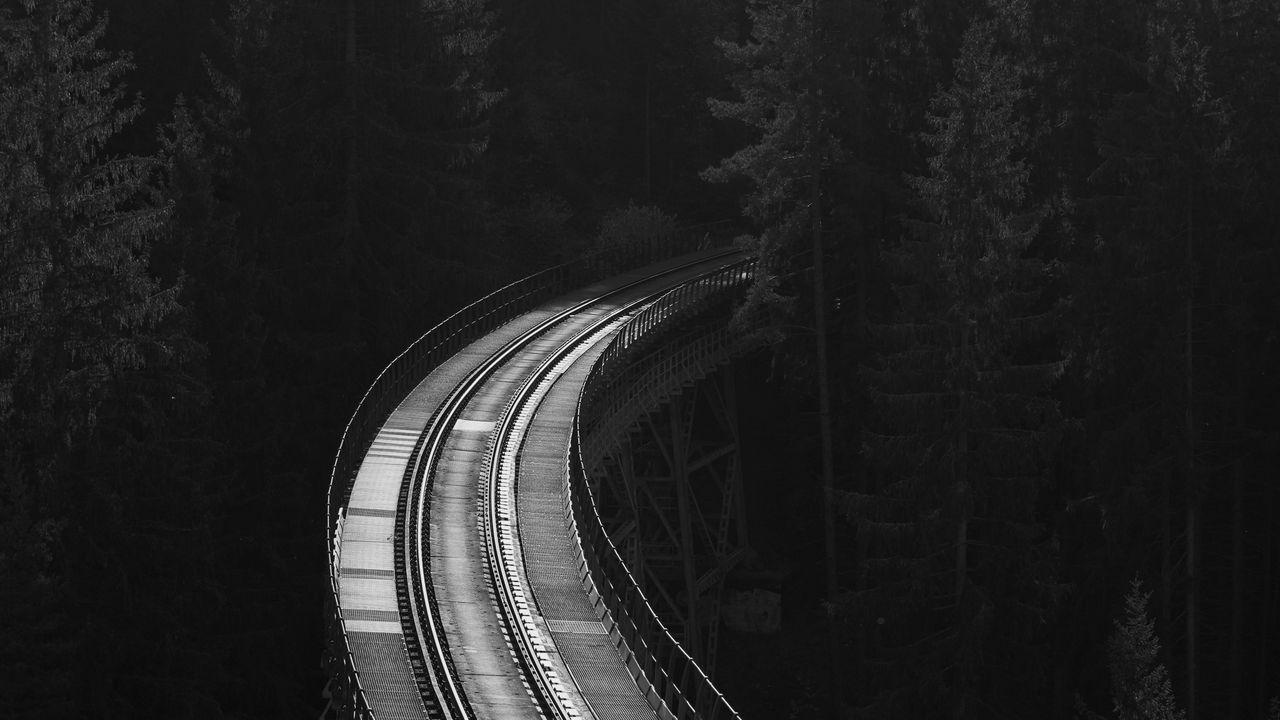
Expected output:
(417, 101)
(777, 82)
(415, 119)
(79, 305)
(801, 79)
(81, 321)
(795, 76)
(1168, 301)
(962, 428)
(1140, 685)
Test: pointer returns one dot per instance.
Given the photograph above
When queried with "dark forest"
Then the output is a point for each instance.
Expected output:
(1048, 307)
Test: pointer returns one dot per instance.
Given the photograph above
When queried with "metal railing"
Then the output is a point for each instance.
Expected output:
(627, 377)
(651, 380)
(686, 300)
(673, 682)
(435, 346)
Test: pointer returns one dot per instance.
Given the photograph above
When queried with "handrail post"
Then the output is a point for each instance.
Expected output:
(674, 677)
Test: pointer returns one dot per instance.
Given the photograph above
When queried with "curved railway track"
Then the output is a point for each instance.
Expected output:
(439, 679)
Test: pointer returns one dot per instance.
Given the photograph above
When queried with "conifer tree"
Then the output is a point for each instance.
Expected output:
(961, 428)
(76, 227)
(1140, 685)
(409, 222)
(81, 318)
(801, 80)
(794, 77)
(418, 95)
(1166, 205)
(775, 78)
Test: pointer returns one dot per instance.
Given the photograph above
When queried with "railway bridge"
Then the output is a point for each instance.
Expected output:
(534, 507)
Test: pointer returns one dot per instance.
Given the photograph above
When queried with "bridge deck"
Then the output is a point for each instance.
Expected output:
(551, 556)
(481, 654)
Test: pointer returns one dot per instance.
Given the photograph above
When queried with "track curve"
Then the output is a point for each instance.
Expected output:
(441, 611)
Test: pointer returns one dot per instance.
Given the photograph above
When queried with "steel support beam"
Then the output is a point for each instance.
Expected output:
(678, 509)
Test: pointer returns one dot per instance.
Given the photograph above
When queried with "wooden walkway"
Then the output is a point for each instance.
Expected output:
(552, 556)
(593, 674)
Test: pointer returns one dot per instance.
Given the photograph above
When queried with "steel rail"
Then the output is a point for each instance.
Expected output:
(677, 686)
(501, 549)
(501, 457)
(429, 449)
(498, 480)
(466, 325)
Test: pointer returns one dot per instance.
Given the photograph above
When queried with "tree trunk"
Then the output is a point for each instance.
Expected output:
(1192, 516)
(648, 132)
(960, 475)
(1238, 548)
(960, 478)
(1268, 582)
(1192, 599)
(350, 210)
(824, 420)
(1166, 553)
(824, 388)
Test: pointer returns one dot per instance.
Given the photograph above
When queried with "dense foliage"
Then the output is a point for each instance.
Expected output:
(1053, 323)
(1049, 312)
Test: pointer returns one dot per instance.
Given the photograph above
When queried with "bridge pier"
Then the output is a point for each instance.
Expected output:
(671, 495)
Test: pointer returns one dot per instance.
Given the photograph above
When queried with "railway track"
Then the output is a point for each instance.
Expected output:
(561, 338)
